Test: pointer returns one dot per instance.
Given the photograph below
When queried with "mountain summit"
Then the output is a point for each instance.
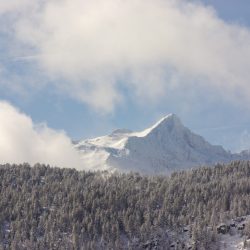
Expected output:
(165, 147)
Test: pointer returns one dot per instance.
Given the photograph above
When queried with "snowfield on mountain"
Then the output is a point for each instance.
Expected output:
(165, 147)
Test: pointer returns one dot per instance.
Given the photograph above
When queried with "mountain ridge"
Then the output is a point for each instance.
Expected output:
(165, 147)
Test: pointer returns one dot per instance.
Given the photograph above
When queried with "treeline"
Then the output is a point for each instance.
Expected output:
(51, 208)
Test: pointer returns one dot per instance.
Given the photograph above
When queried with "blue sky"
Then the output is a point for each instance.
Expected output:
(134, 89)
(231, 10)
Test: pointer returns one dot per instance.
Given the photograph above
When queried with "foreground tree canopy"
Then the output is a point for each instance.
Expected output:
(51, 208)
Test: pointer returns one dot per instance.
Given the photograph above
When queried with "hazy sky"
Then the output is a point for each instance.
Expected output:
(88, 67)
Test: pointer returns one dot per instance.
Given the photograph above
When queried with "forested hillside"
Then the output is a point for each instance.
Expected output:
(52, 208)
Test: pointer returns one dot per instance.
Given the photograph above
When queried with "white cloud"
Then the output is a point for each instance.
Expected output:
(244, 140)
(23, 141)
(14, 5)
(98, 47)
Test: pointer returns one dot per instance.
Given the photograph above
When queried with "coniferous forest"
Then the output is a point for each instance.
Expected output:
(52, 208)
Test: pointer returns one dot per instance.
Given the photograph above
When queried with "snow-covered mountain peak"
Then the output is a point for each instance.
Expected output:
(168, 122)
(162, 148)
(168, 118)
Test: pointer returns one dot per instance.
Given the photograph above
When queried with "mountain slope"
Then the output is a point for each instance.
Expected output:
(166, 146)
(53, 208)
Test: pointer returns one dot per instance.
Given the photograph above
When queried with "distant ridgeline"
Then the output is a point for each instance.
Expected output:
(52, 208)
(164, 148)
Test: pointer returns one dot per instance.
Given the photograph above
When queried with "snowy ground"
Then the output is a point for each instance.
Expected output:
(234, 239)
(232, 242)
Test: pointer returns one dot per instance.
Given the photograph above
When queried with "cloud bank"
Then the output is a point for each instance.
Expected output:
(23, 141)
(14, 6)
(94, 50)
